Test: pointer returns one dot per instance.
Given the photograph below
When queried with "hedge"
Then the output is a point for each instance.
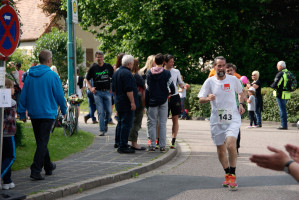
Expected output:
(270, 112)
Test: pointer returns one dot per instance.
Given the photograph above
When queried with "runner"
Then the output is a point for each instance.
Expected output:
(225, 119)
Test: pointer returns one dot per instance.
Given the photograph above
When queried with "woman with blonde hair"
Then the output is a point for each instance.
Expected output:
(150, 62)
(257, 85)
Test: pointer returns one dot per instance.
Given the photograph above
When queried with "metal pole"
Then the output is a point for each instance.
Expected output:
(70, 51)
(75, 59)
(2, 64)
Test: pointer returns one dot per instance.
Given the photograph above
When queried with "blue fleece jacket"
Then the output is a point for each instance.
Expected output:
(41, 93)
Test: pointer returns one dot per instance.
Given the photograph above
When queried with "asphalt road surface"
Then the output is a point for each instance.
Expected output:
(195, 173)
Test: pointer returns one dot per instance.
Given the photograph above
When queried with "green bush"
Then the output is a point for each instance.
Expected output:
(270, 109)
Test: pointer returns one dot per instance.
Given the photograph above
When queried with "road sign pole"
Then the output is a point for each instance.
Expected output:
(2, 64)
(70, 50)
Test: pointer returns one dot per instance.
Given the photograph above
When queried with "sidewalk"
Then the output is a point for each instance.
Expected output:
(98, 165)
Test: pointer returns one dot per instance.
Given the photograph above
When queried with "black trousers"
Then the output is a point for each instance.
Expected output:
(252, 118)
(42, 130)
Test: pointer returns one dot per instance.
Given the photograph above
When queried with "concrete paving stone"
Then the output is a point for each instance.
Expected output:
(97, 165)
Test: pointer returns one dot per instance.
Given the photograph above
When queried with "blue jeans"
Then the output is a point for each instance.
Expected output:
(104, 108)
(91, 106)
(124, 125)
(8, 157)
(282, 104)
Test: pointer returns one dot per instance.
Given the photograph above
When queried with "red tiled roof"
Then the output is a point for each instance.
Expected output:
(35, 22)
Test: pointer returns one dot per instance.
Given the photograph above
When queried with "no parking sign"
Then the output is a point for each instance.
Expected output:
(9, 30)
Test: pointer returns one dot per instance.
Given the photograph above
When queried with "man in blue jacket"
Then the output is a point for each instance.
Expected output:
(41, 93)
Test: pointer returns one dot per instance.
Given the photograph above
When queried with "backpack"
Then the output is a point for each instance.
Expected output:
(291, 83)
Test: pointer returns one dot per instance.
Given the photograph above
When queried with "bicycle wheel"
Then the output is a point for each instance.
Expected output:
(75, 120)
(56, 119)
(71, 121)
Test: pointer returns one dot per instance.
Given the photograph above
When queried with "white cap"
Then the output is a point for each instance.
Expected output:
(251, 89)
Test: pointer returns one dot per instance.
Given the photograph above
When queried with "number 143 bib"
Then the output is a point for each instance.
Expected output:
(224, 116)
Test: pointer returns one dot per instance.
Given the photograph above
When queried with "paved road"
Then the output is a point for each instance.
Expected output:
(195, 172)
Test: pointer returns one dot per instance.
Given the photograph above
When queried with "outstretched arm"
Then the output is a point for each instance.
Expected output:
(276, 161)
(293, 152)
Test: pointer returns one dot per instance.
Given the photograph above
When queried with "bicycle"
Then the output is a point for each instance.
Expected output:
(70, 122)
(58, 120)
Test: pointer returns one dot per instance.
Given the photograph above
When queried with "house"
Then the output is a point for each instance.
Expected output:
(35, 23)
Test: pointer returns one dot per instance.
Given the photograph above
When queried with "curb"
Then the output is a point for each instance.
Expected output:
(103, 180)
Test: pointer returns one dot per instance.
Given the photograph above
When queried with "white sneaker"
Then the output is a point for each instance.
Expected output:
(254, 126)
(249, 126)
(8, 186)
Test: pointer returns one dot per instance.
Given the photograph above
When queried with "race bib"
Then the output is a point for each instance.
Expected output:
(224, 116)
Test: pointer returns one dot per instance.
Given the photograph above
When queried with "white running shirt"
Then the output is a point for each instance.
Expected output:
(176, 79)
(224, 90)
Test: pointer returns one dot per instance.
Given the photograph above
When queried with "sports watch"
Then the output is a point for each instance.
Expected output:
(286, 167)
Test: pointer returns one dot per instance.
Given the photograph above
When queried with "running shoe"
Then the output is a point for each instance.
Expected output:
(226, 181)
(232, 182)
(172, 146)
(254, 126)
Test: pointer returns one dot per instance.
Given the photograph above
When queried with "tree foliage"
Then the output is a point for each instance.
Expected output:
(56, 41)
(53, 9)
(253, 34)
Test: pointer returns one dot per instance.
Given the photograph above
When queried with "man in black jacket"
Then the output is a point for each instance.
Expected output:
(125, 89)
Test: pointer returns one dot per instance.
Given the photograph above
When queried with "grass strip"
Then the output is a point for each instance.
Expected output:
(59, 146)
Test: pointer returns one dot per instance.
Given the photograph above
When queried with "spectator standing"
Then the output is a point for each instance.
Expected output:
(41, 93)
(231, 70)
(156, 95)
(138, 114)
(115, 67)
(21, 72)
(54, 69)
(282, 96)
(258, 97)
(182, 93)
(225, 120)
(9, 148)
(80, 84)
(101, 74)
(150, 62)
(174, 104)
(251, 107)
(125, 89)
(91, 104)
